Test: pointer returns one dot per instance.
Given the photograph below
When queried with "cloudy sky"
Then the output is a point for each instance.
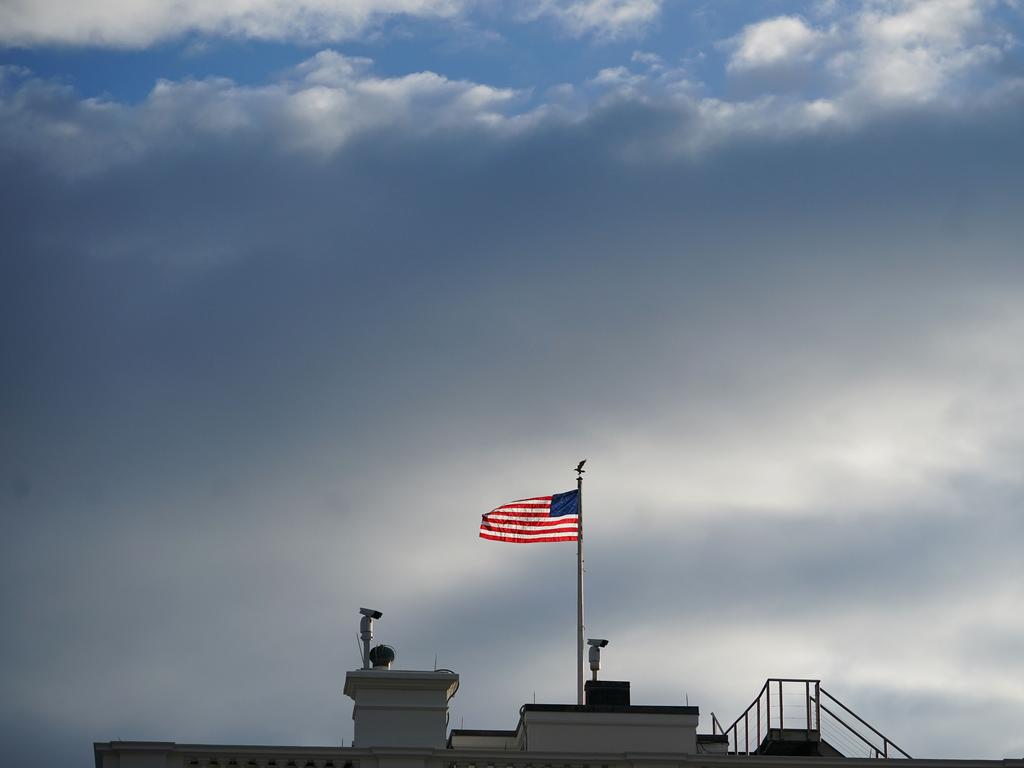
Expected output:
(292, 292)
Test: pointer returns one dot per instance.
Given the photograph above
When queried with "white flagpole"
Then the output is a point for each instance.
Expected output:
(579, 587)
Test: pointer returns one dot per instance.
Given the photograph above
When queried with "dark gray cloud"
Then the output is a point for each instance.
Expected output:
(246, 390)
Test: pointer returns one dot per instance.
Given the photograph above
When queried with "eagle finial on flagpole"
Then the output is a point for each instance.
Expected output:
(579, 467)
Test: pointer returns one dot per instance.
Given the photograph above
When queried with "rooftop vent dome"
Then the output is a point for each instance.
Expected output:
(382, 656)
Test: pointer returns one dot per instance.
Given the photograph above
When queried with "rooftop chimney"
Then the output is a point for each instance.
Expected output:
(607, 693)
(400, 708)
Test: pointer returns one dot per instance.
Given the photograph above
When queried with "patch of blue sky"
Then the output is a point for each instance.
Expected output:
(128, 75)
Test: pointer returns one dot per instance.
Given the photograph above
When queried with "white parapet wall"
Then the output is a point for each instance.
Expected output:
(553, 728)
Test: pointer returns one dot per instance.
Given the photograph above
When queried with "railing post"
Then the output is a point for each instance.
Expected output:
(782, 722)
(758, 722)
(885, 746)
(746, 731)
(807, 697)
(768, 706)
(817, 703)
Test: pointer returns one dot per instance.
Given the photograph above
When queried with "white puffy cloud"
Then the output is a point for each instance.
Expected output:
(607, 19)
(913, 50)
(139, 23)
(317, 107)
(135, 23)
(877, 55)
(779, 41)
(620, 78)
(650, 60)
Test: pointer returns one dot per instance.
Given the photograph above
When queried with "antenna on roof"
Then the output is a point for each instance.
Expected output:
(596, 644)
(366, 632)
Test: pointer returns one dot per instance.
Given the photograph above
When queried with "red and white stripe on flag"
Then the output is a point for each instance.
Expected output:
(530, 521)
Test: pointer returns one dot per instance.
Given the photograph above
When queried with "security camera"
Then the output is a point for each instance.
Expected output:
(366, 632)
(596, 644)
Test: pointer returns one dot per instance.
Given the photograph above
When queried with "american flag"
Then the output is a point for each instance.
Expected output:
(527, 521)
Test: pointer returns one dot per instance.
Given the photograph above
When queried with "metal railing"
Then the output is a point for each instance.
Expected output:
(876, 742)
(787, 707)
